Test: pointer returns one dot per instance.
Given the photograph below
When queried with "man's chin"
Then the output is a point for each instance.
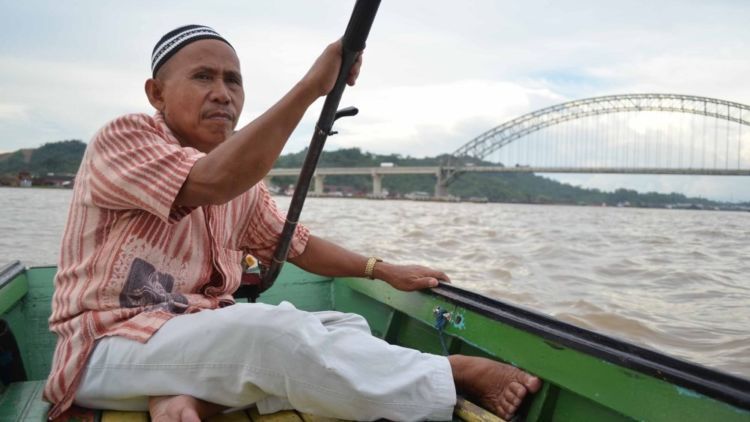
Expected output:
(207, 143)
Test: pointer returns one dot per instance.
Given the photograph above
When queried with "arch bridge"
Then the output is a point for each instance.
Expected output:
(632, 133)
(703, 136)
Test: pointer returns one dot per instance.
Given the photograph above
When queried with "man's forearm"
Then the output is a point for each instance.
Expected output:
(248, 155)
(330, 260)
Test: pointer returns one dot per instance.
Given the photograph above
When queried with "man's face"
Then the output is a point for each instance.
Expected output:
(201, 93)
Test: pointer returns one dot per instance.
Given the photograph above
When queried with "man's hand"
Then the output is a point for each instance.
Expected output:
(322, 75)
(331, 260)
(408, 277)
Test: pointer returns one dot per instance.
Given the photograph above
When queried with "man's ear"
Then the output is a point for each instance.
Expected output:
(155, 93)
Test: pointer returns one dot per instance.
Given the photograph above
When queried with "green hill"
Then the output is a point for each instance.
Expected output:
(505, 187)
(55, 157)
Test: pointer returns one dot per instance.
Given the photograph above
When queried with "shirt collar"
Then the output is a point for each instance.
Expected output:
(168, 134)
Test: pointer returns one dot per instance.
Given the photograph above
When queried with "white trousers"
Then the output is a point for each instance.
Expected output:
(323, 363)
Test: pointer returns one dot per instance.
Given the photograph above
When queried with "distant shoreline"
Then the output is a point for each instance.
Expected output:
(726, 208)
(729, 208)
(38, 187)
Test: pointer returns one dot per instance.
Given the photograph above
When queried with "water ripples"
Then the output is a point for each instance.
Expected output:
(675, 281)
(672, 280)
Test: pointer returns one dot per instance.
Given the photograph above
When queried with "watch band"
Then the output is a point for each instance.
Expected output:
(370, 267)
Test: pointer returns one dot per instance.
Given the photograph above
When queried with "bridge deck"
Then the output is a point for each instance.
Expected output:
(435, 170)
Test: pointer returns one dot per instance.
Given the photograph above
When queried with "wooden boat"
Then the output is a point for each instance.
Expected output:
(587, 376)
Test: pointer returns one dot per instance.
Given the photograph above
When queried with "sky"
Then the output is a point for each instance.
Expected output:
(436, 73)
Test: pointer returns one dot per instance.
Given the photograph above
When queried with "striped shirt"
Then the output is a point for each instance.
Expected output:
(130, 260)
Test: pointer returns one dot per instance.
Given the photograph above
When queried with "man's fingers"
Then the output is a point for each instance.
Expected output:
(441, 276)
(427, 282)
(337, 46)
(416, 277)
(444, 278)
(354, 73)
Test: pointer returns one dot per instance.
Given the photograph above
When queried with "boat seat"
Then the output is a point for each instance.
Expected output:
(22, 401)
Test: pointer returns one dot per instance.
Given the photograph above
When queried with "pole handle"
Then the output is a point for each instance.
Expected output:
(359, 24)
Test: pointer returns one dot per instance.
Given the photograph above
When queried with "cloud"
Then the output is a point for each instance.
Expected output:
(722, 188)
(13, 111)
(433, 118)
(722, 76)
(62, 100)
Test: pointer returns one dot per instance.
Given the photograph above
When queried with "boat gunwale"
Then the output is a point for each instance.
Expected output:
(710, 382)
(10, 271)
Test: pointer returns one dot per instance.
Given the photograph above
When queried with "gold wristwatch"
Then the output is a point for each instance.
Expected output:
(370, 267)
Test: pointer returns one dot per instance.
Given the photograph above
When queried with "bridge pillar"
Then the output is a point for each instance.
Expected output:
(377, 184)
(441, 189)
(319, 185)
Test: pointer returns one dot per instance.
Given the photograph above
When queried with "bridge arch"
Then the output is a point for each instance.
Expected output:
(499, 136)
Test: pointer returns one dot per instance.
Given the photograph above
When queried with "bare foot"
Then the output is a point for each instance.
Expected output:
(180, 409)
(499, 387)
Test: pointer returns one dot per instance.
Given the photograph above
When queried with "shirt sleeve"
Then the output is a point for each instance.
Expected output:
(265, 225)
(132, 166)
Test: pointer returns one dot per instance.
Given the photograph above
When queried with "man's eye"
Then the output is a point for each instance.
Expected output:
(203, 77)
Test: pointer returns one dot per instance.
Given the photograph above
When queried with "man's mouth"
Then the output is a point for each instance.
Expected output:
(220, 115)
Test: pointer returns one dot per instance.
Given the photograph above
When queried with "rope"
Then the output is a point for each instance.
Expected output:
(442, 318)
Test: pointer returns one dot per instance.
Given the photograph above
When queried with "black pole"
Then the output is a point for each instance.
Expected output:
(353, 43)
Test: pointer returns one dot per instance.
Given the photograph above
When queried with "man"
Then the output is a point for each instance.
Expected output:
(164, 209)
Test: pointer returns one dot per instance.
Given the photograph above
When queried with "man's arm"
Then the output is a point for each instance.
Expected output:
(328, 259)
(244, 158)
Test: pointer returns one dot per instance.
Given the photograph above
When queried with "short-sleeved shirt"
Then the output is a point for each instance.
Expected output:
(130, 260)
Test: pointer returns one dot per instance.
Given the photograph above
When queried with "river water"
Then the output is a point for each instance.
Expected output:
(673, 280)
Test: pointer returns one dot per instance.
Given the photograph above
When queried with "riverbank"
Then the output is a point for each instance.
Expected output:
(483, 200)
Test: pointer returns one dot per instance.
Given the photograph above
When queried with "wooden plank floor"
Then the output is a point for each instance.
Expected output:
(465, 411)
(117, 416)
(249, 415)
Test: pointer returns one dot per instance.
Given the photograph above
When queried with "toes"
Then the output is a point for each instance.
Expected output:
(532, 383)
(512, 398)
(189, 415)
(506, 409)
(517, 389)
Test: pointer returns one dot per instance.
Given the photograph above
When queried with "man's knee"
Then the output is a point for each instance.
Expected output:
(354, 321)
(263, 322)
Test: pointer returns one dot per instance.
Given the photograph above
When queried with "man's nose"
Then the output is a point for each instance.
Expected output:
(220, 92)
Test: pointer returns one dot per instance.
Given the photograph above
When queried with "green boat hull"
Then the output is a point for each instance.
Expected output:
(587, 376)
